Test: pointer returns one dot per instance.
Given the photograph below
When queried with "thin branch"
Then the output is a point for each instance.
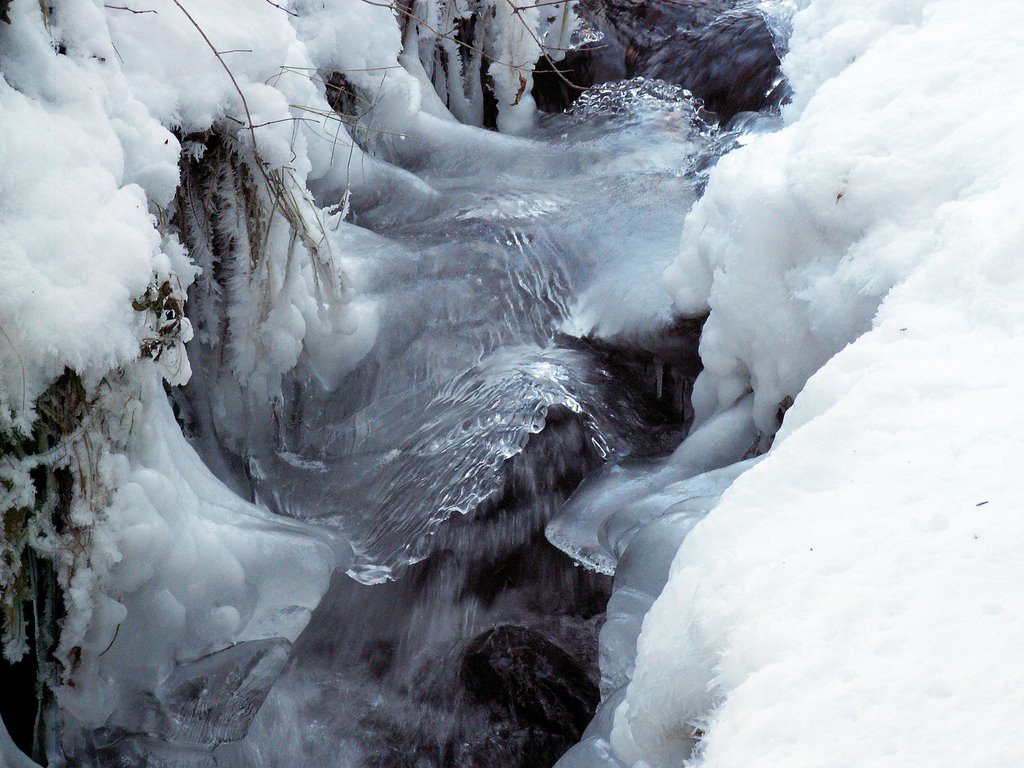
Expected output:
(281, 7)
(234, 82)
(130, 10)
(292, 119)
(21, 362)
(293, 68)
(540, 5)
(332, 115)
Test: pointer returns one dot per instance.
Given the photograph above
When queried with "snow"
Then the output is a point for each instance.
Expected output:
(855, 597)
(160, 563)
(75, 227)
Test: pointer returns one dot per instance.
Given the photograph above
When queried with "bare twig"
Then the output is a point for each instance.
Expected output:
(540, 5)
(332, 115)
(21, 362)
(111, 643)
(234, 82)
(130, 10)
(281, 7)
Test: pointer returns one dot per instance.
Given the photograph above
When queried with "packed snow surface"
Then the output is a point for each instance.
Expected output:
(856, 598)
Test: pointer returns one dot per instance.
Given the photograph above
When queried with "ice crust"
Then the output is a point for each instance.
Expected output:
(196, 570)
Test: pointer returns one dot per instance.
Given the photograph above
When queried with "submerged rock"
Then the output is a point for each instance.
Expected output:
(731, 63)
(530, 681)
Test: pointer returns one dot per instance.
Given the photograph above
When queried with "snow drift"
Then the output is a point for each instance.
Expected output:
(853, 598)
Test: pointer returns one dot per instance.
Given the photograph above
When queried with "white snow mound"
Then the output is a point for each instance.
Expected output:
(856, 599)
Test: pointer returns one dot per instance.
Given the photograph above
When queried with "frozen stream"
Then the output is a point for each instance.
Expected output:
(361, 407)
(522, 341)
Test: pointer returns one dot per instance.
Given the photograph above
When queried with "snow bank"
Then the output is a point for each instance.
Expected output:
(77, 240)
(814, 224)
(159, 565)
(855, 598)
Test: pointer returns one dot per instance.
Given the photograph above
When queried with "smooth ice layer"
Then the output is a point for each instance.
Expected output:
(856, 599)
(600, 520)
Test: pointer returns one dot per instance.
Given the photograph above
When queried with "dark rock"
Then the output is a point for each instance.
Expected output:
(731, 63)
(530, 680)
(341, 95)
(557, 84)
(639, 26)
(725, 56)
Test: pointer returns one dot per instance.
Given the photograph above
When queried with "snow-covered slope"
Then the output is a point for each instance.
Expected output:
(858, 596)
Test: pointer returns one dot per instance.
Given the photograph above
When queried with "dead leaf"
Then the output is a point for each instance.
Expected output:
(522, 89)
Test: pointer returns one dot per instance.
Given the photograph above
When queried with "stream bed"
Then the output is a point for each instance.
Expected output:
(523, 342)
